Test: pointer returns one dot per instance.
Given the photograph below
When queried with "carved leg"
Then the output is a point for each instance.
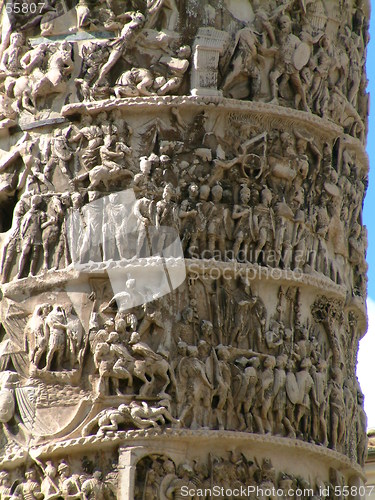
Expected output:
(24, 256)
(34, 259)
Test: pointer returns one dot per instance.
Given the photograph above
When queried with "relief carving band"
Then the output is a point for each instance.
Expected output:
(183, 273)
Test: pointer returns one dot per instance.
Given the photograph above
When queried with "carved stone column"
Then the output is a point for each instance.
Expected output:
(182, 248)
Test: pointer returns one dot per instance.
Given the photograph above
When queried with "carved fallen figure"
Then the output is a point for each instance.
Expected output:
(136, 415)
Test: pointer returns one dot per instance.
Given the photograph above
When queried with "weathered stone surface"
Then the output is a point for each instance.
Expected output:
(183, 256)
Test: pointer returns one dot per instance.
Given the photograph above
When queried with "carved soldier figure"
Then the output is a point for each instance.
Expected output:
(14, 238)
(196, 388)
(5, 485)
(31, 236)
(242, 232)
(69, 483)
(337, 408)
(223, 388)
(217, 227)
(244, 398)
(319, 404)
(49, 486)
(94, 488)
(29, 488)
(285, 64)
(188, 213)
(60, 155)
(263, 407)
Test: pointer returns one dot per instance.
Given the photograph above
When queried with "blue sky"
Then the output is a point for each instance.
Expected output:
(366, 358)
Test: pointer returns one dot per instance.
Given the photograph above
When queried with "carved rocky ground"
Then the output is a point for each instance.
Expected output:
(148, 142)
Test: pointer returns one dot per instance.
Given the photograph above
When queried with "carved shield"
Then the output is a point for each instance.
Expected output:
(292, 389)
(301, 55)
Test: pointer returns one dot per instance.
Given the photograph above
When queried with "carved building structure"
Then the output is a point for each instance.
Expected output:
(229, 132)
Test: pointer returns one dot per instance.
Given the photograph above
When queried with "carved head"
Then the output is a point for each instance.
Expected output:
(182, 348)
(204, 192)
(269, 362)
(245, 195)
(30, 475)
(168, 192)
(17, 39)
(193, 191)
(217, 193)
(285, 24)
(306, 363)
(184, 52)
(36, 201)
(145, 164)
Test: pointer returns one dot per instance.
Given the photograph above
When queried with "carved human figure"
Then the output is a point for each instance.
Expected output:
(69, 483)
(5, 485)
(263, 407)
(216, 229)
(143, 211)
(56, 331)
(125, 41)
(35, 329)
(281, 421)
(150, 368)
(31, 236)
(194, 390)
(242, 214)
(49, 486)
(114, 363)
(244, 78)
(92, 134)
(307, 393)
(142, 184)
(29, 488)
(223, 388)
(10, 62)
(361, 426)
(60, 66)
(60, 155)
(244, 397)
(177, 67)
(187, 214)
(284, 61)
(94, 488)
(166, 220)
(146, 416)
(14, 238)
(319, 404)
(162, 13)
(337, 408)
(52, 230)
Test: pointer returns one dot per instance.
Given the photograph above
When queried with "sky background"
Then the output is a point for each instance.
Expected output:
(366, 357)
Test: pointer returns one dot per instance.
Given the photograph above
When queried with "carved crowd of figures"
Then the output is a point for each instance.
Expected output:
(57, 480)
(290, 54)
(296, 208)
(157, 476)
(248, 370)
